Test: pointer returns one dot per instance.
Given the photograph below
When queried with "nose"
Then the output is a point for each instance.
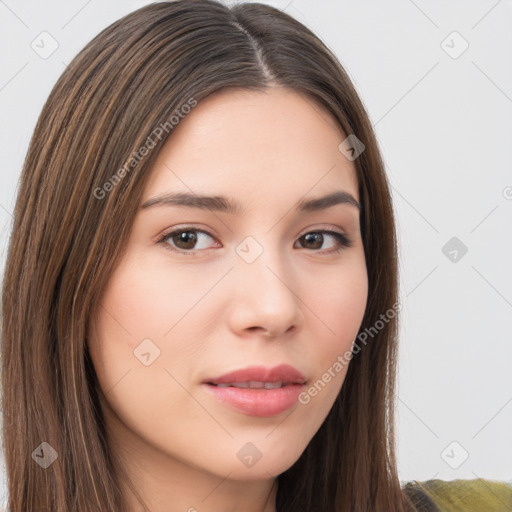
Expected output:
(265, 300)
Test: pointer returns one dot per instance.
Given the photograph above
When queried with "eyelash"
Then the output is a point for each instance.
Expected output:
(343, 241)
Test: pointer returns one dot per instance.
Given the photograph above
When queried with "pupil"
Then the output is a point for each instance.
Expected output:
(188, 238)
(314, 235)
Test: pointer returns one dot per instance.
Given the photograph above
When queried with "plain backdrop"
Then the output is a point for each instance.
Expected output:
(436, 79)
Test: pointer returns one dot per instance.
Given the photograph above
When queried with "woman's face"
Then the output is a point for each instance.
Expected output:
(199, 287)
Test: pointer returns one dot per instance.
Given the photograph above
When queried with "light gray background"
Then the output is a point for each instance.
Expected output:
(444, 125)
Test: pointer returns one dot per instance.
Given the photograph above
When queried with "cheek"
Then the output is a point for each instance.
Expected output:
(152, 300)
(148, 313)
(340, 304)
(129, 329)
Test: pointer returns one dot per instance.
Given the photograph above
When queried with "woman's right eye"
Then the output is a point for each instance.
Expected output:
(184, 240)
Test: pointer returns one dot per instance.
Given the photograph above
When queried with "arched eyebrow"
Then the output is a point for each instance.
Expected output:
(230, 206)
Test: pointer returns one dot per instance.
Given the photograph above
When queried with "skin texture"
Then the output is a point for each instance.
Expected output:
(208, 312)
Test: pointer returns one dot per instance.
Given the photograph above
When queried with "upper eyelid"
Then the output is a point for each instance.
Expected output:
(166, 233)
(200, 230)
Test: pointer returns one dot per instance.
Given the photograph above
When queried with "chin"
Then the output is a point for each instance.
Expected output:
(267, 462)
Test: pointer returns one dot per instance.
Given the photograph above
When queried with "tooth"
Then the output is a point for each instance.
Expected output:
(240, 384)
(273, 385)
(253, 384)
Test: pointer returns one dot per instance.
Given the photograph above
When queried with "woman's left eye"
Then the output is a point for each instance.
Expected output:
(184, 240)
(314, 237)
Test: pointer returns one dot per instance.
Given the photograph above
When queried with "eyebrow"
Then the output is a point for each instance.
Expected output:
(226, 205)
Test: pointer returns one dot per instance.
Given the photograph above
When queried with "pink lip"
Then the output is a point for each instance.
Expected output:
(283, 372)
(258, 402)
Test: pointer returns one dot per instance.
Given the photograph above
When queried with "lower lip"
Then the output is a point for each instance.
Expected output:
(257, 402)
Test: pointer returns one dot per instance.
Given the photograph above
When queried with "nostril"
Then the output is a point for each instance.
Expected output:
(265, 332)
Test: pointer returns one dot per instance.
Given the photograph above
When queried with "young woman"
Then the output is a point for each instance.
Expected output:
(200, 297)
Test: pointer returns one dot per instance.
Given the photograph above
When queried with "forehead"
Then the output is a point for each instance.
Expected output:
(276, 142)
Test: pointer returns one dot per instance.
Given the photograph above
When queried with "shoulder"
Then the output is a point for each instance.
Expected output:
(418, 497)
(462, 495)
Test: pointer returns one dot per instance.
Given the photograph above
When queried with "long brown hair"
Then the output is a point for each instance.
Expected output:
(79, 192)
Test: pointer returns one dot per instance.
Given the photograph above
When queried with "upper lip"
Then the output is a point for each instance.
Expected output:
(281, 373)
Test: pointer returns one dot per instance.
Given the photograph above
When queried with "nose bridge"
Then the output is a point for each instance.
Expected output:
(264, 278)
(264, 262)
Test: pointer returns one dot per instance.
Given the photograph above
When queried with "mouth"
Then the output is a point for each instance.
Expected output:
(258, 391)
(257, 377)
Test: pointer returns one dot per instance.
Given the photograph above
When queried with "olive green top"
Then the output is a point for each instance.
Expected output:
(478, 495)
